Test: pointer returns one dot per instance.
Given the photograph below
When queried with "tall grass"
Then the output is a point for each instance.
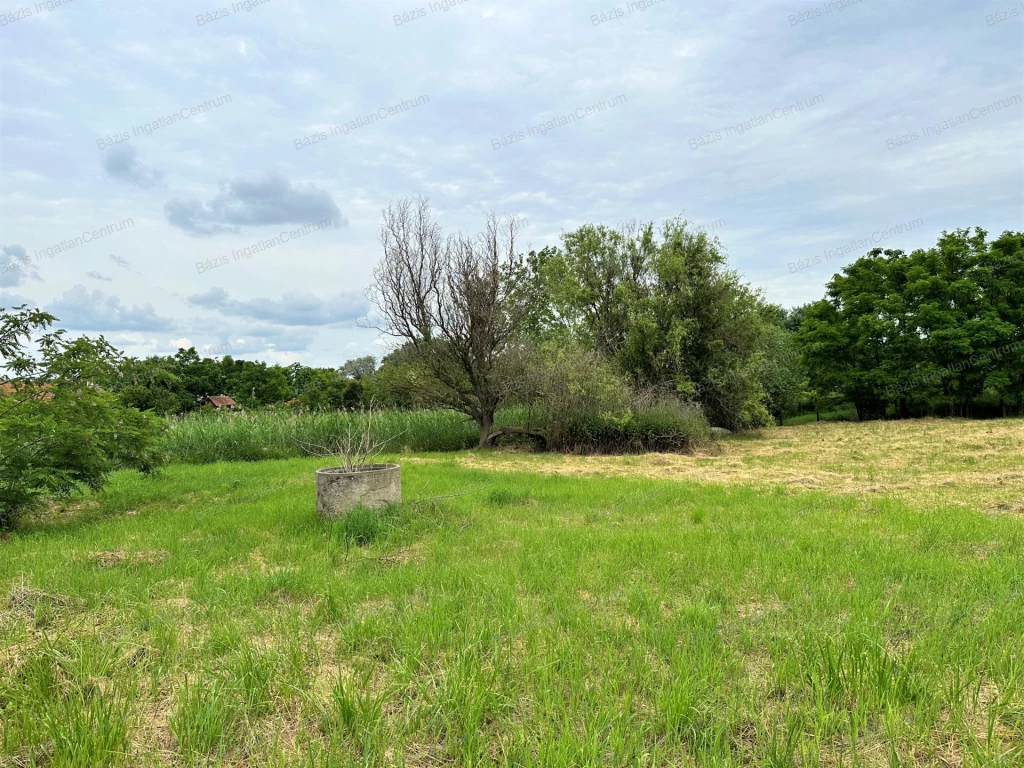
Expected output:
(206, 437)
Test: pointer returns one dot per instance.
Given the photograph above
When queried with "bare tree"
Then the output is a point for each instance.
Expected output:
(457, 302)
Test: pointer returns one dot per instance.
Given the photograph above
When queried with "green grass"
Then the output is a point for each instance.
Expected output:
(207, 617)
(846, 413)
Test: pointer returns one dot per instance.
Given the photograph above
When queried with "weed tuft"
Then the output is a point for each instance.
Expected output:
(507, 497)
(203, 716)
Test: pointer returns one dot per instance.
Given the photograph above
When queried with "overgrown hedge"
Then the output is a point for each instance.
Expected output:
(662, 428)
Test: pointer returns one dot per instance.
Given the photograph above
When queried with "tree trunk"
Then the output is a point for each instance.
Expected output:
(486, 422)
(537, 434)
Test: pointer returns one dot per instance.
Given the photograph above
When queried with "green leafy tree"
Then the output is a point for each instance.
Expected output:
(1001, 279)
(935, 330)
(669, 311)
(359, 368)
(255, 383)
(60, 427)
(200, 377)
(782, 377)
(151, 385)
(402, 381)
(323, 389)
(352, 394)
(542, 322)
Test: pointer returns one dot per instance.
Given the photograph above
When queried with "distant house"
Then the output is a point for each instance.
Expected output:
(8, 388)
(221, 403)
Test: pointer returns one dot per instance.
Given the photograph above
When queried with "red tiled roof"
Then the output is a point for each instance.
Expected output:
(220, 400)
(9, 388)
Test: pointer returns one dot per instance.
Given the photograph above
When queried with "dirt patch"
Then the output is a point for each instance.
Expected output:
(1007, 508)
(373, 607)
(154, 736)
(415, 553)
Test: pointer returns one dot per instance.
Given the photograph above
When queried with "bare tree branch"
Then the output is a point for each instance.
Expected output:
(455, 301)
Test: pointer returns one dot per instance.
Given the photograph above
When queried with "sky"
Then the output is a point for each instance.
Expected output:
(211, 173)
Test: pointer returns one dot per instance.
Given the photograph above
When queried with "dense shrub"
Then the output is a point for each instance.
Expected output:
(60, 428)
(666, 424)
(581, 403)
(567, 383)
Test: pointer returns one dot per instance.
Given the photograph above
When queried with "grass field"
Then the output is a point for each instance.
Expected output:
(537, 610)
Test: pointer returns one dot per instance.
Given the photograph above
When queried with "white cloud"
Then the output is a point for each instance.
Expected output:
(293, 308)
(260, 200)
(83, 310)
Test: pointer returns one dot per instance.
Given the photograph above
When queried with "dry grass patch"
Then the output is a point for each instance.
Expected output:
(924, 462)
(757, 608)
(111, 559)
(23, 600)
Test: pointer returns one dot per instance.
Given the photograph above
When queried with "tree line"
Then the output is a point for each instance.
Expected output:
(179, 383)
(641, 314)
(655, 314)
(646, 318)
(934, 331)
